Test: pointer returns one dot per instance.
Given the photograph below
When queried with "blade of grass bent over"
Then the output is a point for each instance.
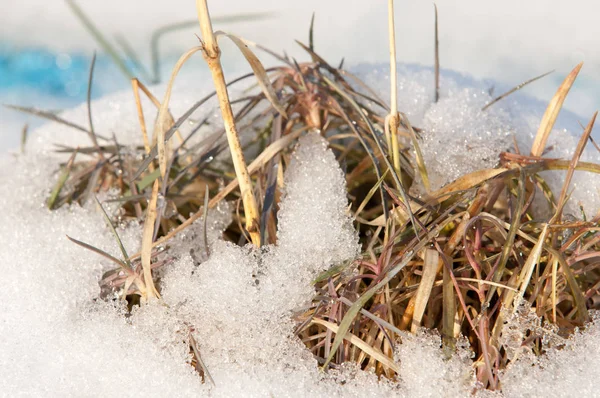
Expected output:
(50, 116)
(258, 69)
(161, 31)
(100, 252)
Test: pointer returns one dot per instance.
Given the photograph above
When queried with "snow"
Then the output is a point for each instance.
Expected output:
(58, 339)
(572, 370)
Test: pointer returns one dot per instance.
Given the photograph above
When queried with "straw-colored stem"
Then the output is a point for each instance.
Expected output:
(393, 118)
(212, 55)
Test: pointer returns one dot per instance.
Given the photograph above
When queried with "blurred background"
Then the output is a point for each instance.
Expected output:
(46, 49)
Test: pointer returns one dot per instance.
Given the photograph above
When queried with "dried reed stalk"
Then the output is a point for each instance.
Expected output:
(212, 55)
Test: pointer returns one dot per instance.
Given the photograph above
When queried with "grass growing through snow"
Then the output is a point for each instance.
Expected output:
(461, 260)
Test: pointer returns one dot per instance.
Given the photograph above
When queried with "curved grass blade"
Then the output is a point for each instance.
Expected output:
(571, 170)
(163, 121)
(163, 30)
(258, 69)
(178, 123)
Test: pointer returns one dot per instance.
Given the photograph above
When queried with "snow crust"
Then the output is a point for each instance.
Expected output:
(59, 339)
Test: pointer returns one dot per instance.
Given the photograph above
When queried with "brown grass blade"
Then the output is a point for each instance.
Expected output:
(100, 252)
(135, 84)
(50, 116)
(527, 270)
(516, 88)
(203, 368)
(418, 154)
(430, 265)
(466, 182)
(258, 69)
(572, 166)
(164, 121)
(552, 111)
(366, 348)
(147, 243)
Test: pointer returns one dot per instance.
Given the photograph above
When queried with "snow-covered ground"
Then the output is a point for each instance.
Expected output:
(57, 340)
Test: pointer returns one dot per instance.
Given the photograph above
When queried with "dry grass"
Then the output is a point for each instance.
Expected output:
(453, 260)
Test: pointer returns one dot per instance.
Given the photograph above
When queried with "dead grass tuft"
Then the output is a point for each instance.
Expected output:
(453, 260)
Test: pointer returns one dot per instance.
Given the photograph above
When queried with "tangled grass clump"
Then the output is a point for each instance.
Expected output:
(471, 259)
